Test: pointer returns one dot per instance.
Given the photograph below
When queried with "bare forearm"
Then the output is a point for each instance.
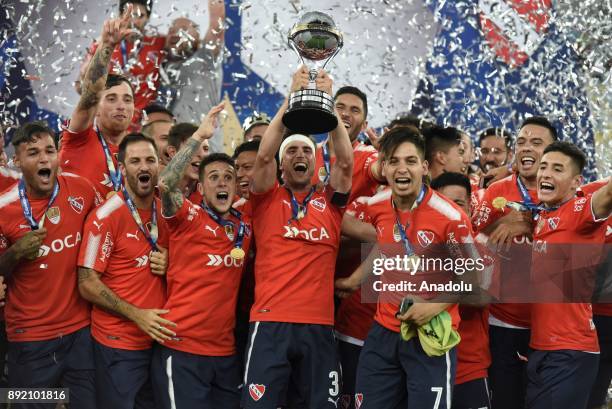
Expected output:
(173, 172)
(358, 230)
(95, 77)
(8, 261)
(264, 174)
(96, 292)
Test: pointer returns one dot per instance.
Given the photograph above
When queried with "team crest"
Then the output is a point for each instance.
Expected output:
(53, 214)
(257, 391)
(229, 231)
(553, 223)
(358, 400)
(318, 204)
(77, 204)
(425, 237)
(322, 173)
(396, 234)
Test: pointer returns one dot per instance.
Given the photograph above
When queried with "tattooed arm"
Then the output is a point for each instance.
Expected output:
(171, 195)
(149, 321)
(94, 80)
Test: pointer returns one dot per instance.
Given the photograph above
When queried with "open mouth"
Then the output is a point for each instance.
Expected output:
(144, 178)
(402, 182)
(195, 166)
(300, 168)
(244, 185)
(528, 161)
(44, 174)
(222, 196)
(545, 186)
(347, 124)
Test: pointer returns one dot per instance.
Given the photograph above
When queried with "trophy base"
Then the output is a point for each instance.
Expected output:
(310, 111)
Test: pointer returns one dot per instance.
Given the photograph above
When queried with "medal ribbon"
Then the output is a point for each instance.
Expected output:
(222, 222)
(298, 211)
(150, 236)
(527, 202)
(400, 226)
(326, 163)
(27, 209)
(114, 173)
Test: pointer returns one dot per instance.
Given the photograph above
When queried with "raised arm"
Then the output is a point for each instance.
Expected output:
(214, 37)
(149, 320)
(602, 201)
(171, 195)
(113, 32)
(264, 173)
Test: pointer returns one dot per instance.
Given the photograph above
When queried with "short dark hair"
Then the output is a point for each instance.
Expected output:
(156, 108)
(543, 122)
(452, 179)
(180, 132)
(409, 119)
(148, 128)
(147, 3)
(130, 139)
(215, 157)
(569, 149)
(358, 93)
(28, 132)
(498, 132)
(391, 140)
(249, 146)
(112, 80)
(439, 139)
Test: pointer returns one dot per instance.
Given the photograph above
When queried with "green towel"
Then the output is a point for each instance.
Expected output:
(436, 337)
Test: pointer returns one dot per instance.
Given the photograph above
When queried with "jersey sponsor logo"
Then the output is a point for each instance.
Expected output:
(257, 391)
(142, 261)
(358, 400)
(53, 214)
(76, 203)
(314, 234)
(107, 246)
(522, 239)
(58, 245)
(539, 246)
(425, 237)
(223, 260)
(553, 223)
(133, 236)
(213, 231)
(318, 204)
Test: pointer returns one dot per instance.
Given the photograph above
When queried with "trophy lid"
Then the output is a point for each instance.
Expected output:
(315, 36)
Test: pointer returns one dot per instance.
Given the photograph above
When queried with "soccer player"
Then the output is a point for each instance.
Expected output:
(159, 131)
(255, 125)
(245, 155)
(190, 182)
(352, 106)
(47, 321)
(563, 366)
(88, 148)
(198, 367)
(297, 229)
(121, 271)
(391, 371)
(473, 356)
(444, 150)
(495, 148)
(509, 322)
(155, 112)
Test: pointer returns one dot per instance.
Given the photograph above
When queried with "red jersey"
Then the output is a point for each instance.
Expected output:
(435, 221)
(517, 314)
(43, 300)
(354, 317)
(203, 281)
(363, 183)
(81, 153)
(294, 268)
(8, 178)
(473, 355)
(114, 246)
(142, 71)
(590, 188)
(558, 326)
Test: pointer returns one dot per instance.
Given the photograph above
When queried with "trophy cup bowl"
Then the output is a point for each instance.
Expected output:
(315, 39)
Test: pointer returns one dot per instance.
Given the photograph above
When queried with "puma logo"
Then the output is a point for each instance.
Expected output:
(99, 226)
(133, 236)
(214, 231)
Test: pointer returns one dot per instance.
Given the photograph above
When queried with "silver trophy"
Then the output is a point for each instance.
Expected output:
(315, 39)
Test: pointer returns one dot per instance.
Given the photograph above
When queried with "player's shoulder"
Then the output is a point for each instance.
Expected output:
(444, 207)
(362, 148)
(9, 197)
(502, 184)
(109, 207)
(9, 173)
(379, 198)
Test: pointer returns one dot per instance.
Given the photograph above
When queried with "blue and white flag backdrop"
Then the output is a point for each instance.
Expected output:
(471, 64)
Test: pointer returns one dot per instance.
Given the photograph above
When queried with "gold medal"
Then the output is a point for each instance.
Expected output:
(237, 253)
(110, 194)
(499, 202)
